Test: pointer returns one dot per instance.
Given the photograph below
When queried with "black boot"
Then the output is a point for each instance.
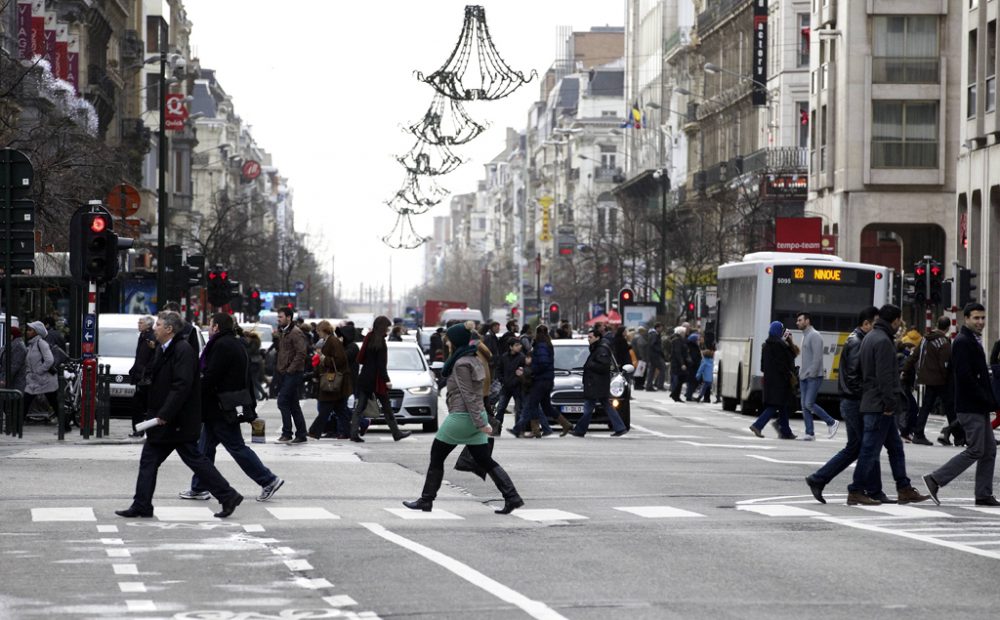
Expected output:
(511, 500)
(431, 485)
(355, 425)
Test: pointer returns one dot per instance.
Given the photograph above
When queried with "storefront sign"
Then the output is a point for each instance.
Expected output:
(759, 96)
(798, 234)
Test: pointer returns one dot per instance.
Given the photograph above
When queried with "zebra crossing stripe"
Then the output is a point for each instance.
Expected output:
(82, 513)
(780, 510)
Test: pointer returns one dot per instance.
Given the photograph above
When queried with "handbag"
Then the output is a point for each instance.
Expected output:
(331, 381)
(640, 369)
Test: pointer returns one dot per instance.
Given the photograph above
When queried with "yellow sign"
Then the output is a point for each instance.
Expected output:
(826, 275)
(546, 234)
(546, 201)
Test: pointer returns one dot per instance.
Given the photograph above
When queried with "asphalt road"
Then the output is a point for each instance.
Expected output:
(687, 516)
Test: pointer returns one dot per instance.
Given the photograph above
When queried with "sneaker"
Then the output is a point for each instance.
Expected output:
(833, 429)
(932, 487)
(302, 439)
(270, 489)
(808, 437)
(756, 431)
(858, 498)
(191, 494)
(909, 495)
(817, 488)
(284, 439)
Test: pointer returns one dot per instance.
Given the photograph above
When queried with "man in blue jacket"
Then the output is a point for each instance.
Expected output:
(973, 403)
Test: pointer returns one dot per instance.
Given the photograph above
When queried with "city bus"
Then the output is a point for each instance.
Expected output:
(775, 286)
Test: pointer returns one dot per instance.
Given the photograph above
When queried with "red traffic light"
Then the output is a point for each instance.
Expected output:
(554, 308)
(254, 294)
(921, 270)
(291, 305)
(935, 270)
(627, 296)
(98, 224)
(224, 275)
(690, 306)
(211, 275)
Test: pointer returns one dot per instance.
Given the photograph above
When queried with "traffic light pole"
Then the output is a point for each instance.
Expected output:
(161, 194)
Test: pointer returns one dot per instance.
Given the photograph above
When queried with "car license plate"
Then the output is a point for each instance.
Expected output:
(125, 391)
(572, 408)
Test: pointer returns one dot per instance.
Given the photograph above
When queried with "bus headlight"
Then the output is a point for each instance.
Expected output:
(423, 390)
(618, 386)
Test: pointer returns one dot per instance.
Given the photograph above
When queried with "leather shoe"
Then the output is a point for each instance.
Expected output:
(132, 513)
(229, 506)
(909, 495)
(987, 501)
(857, 498)
(401, 435)
(425, 505)
(816, 487)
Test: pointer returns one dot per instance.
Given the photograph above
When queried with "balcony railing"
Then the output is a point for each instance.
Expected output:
(716, 12)
(781, 158)
(678, 38)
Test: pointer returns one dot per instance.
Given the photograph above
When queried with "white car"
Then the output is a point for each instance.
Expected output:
(414, 393)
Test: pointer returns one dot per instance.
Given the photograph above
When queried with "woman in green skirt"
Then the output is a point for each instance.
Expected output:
(466, 424)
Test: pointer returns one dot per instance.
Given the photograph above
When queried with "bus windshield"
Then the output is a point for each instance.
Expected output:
(832, 296)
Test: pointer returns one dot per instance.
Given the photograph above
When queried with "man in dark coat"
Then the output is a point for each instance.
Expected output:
(436, 353)
(680, 362)
(175, 403)
(510, 380)
(656, 362)
(597, 387)
(225, 367)
(882, 395)
(973, 403)
(145, 350)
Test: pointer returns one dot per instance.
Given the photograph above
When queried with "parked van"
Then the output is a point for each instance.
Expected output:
(461, 314)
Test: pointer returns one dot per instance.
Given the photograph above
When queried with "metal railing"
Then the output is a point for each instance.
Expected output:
(778, 158)
(716, 12)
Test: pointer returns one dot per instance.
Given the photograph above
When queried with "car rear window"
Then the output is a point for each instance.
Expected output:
(116, 341)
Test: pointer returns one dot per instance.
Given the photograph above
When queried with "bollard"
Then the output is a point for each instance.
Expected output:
(257, 431)
(12, 419)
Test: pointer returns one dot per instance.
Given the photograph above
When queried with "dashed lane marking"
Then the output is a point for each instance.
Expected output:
(131, 587)
(546, 514)
(312, 584)
(63, 514)
(183, 513)
(658, 512)
(780, 510)
(140, 606)
(787, 462)
(298, 565)
(118, 553)
(419, 515)
(125, 569)
(107, 529)
(535, 609)
(253, 528)
(650, 431)
(895, 510)
(340, 600)
(301, 514)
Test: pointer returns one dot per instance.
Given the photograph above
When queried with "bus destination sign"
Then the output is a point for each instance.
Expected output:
(815, 273)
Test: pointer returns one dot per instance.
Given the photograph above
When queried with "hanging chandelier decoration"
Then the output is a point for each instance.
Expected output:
(495, 78)
(446, 122)
(403, 235)
(430, 159)
(417, 197)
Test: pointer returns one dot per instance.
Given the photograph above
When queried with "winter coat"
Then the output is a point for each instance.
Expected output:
(542, 362)
(351, 350)
(639, 346)
(597, 371)
(678, 354)
(436, 348)
(620, 347)
(777, 362)
(38, 361)
(292, 347)
(224, 369)
(374, 373)
(486, 357)
(973, 392)
(694, 356)
(175, 393)
(933, 356)
(145, 350)
(18, 367)
(849, 374)
(705, 369)
(465, 388)
(334, 358)
(654, 350)
(880, 380)
(509, 363)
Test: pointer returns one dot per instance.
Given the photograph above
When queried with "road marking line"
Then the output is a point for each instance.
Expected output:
(535, 609)
(253, 528)
(83, 513)
(118, 553)
(726, 445)
(417, 515)
(874, 527)
(986, 509)
(780, 510)
(301, 514)
(984, 542)
(312, 584)
(658, 512)
(183, 513)
(131, 586)
(636, 427)
(107, 529)
(144, 605)
(112, 541)
(546, 514)
(905, 511)
(298, 565)
(283, 551)
(341, 600)
(786, 462)
(125, 569)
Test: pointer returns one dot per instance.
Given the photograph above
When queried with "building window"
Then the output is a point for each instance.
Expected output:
(153, 32)
(905, 134)
(153, 91)
(822, 139)
(991, 66)
(608, 156)
(971, 76)
(601, 226)
(906, 49)
(803, 55)
(803, 121)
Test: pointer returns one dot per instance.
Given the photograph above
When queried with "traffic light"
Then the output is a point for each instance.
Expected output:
(689, 310)
(965, 286)
(254, 302)
(553, 313)
(920, 291)
(218, 287)
(94, 245)
(936, 276)
(626, 297)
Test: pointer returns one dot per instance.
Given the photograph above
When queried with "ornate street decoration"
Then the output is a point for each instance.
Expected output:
(430, 159)
(417, 195)
(446, 122)
(403, 235)
(495, 78)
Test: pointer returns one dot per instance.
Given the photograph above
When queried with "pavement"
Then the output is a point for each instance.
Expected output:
(687, 516)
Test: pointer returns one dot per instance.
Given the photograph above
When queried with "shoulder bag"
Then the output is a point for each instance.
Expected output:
(331, 382)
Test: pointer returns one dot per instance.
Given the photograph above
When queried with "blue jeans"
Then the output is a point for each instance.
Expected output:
(505, 398)
(288, 404)
(850, 412)
(539, 396)
(879, 430)
(769, 412)
(335, 410)
(231, 437)
(810, 389)
(588, 411)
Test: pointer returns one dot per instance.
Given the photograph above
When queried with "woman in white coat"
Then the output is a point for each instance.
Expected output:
(40, 377)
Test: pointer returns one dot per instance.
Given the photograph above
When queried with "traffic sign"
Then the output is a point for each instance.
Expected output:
(300, 286)
(16, 173)
(131, 200)
(89, 335)
(250, 170)
(21, 213)
(176, 111)
(548, 289)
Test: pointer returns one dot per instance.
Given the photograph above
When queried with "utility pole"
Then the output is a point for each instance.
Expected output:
(161, 193)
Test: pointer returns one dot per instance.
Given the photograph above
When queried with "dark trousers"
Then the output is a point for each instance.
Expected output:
(138, 405)
(482, 454)
(505, 397)
(538, 405)
(230, 436)
(385, 406)
(932, 394)
(153, 455)
(850, 413)
(656, 372)
(676, 380)
(288, 403)
(332, 416)
(879, 430)
(980, 450)
(52, 397)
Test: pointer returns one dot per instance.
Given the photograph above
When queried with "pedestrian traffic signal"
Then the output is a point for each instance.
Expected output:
(936, 274)
(626, 297)
(965, 286)
(920, 292)
(553, 313)
(254, 302)
(218, 287)
(690, 310)
(94, 246)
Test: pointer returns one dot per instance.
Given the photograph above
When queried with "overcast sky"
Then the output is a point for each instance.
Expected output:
(327, 86)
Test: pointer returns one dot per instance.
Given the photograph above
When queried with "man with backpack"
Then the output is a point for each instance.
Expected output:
(933, 357)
